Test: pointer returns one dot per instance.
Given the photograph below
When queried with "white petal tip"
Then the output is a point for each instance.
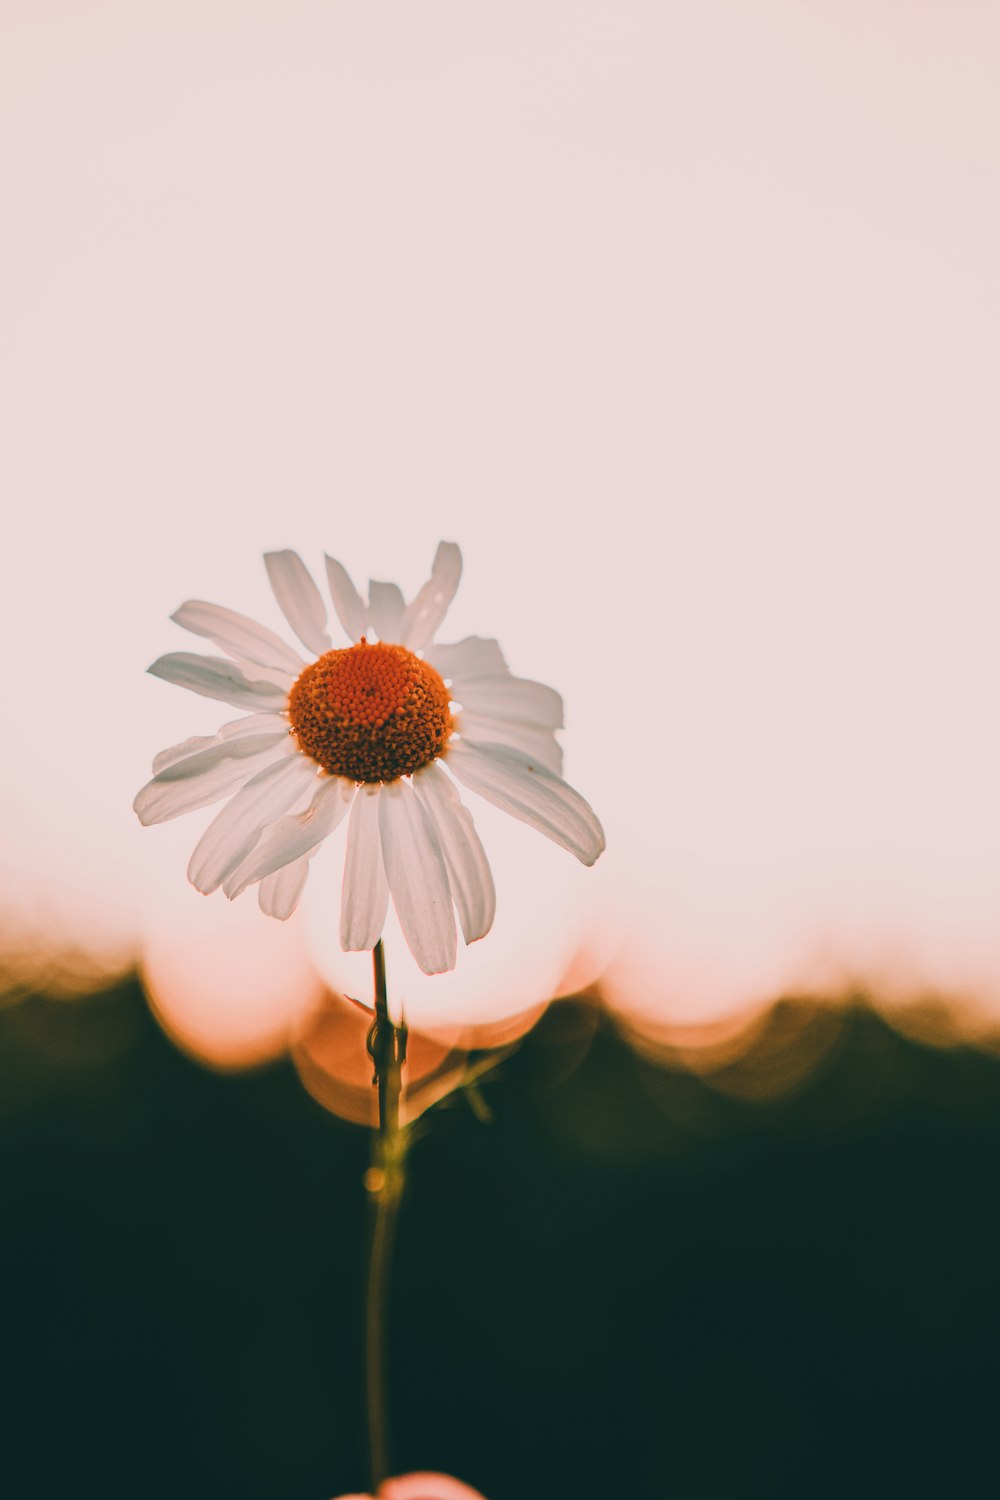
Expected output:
(440, 969)
(147, 810)
(589, 854)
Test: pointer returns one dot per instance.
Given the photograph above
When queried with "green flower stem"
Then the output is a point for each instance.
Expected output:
(385, 1180)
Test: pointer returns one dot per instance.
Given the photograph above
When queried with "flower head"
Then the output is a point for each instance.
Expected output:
(377, 731)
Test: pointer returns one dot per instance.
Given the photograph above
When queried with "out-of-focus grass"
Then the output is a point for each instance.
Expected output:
(636, 1280)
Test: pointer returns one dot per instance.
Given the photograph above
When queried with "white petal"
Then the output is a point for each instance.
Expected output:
(234, 831)
(418, 878)
(539, 744)
(207, 776)
(348, 603)
(516, 698)
(469, 871)
(236, 729)
(279, 893)
(181, 751)
(279, 676)
(386, 608)
(475, 656)
(215, 677)
(238, 636)
(300, 600)
(365, 895)
(294, 836)
(522, 787)
(429, 608)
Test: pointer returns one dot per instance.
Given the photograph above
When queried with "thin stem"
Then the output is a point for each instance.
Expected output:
(384, 1180)
(385, 1206)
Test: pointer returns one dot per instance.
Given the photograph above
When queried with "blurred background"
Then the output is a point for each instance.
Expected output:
(682, 319)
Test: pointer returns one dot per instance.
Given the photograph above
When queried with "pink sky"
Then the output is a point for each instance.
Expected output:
(682, 319)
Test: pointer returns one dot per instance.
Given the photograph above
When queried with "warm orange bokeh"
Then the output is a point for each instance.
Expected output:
(421, 1487)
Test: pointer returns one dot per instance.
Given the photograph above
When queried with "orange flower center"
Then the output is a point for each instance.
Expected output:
(370, 713)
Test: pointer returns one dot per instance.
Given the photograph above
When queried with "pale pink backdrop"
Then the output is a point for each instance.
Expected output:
(682, 318)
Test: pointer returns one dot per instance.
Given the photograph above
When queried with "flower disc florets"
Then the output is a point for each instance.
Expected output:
(370, 712)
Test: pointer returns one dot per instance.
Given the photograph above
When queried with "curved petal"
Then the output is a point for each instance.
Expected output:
(418, 878)
(365, 895)
(207, 776)
(279, 676)
(215, 677)
(469, 873)
(238, 636)
(429, 608)
(350, 607)
(279, 892)
(475, 656)
(539, 744)
(522, 787)
(293, 836)
(386, 608)
(234, 730)
(517, 698)
(299, 599)
(234, 831)
(192, 746)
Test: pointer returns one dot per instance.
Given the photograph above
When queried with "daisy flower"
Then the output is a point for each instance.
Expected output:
(377, 732)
